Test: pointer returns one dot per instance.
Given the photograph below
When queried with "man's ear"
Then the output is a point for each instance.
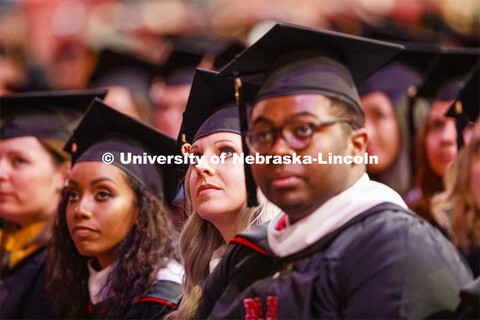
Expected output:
(358, 141)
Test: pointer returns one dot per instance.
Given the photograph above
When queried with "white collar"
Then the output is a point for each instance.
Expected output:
(338, 210)
(172, 272)
(217, 257)
(98, 279)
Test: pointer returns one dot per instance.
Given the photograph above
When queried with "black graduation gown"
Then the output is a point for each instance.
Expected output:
(469, 308)
(164, 298)
(472, 255)
(22, 290)
(385, 263)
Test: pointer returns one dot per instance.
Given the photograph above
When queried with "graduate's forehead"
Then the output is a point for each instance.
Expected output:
(280, 109)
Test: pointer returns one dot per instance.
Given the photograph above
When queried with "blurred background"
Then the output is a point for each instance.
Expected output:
(75, 44)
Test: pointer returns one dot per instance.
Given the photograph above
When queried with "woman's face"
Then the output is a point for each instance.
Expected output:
(218, 190)
(383, 131)
(441, 137)
(30, 182)
(101, 209)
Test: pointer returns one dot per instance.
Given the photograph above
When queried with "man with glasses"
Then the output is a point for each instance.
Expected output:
(343, 246)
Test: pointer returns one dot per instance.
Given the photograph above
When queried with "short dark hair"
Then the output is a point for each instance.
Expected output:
(342, 109)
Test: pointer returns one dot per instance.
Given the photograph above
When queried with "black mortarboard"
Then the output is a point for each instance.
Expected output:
(229, 52)
(292, 59)
(44, 114)
(393, 80)
(189, 51)
(122, 69)
(400, 79)
(212, 108)
(447, 74)
(180, 67)
(403, 74)
(469, 96)
(467, 107)
(104, 129)
(392, 31)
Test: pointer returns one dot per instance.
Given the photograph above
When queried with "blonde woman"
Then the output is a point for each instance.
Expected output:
(457, 209)
(215, 194)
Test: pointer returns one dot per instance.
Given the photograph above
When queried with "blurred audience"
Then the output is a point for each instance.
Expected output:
(128, 79)
(171, 88)
(436, 139)
(73, 62)
(457, 209)
(386, 100)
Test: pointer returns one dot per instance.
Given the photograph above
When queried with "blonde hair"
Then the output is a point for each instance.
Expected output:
(55, 148)
(464, 225)
(200, 238)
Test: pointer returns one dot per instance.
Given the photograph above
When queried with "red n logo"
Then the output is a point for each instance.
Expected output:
(272, 307)
(253, 308)
(186, 148)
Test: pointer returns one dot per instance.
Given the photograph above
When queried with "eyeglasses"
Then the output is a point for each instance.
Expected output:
(297, 134)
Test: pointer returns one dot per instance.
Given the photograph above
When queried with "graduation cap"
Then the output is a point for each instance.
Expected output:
(447, 74)
(189, 51)
(212, 108)
(467, 107)
(291, 59)
(122, 69)
(229, 52)
(44, 114)
(104, 129)
(392, 31)
(180, 67)
(403, 74)
(401, 78)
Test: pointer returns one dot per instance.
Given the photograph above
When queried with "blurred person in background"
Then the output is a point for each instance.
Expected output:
(128, 79)
(215, 194)
(33, 170)
(436, 139)
(73, 60)
(457, 209)
(114, 248)
(18, 65)
(17, 75)
(170, 90)
(385, 98)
